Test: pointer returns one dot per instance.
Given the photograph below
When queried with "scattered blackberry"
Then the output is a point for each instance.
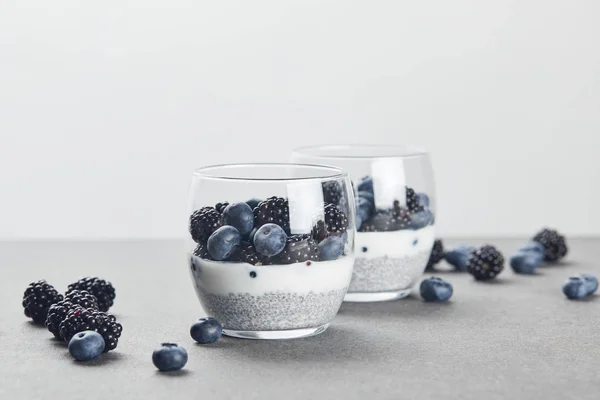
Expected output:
(38, 298)
(319, 231)
(79, 319)
(247, 253)
(298, 248)
(58, 311)
(554, 244)
(202, 251)
(387, 221)
(336, 221)
(437, 254)
(412, 201)
(203, 223)
(485, 263)
(274, 210)
(221, 206)
(99, 288)
(332, 192)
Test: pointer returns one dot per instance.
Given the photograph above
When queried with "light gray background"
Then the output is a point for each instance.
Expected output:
(106, 107)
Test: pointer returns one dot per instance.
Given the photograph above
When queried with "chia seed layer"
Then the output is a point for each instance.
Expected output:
(272, 310)
(385, 274)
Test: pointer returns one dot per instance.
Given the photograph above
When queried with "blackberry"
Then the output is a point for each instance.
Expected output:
(58, 311)
(275, 210)
(437, 254)
(202, 251)
(298, 248)
(99, 288)
(555, 246)
(203, 223)
(247, 253)
(412, 201)
(319, 231)
(38, 298)
(80, 319)
(220, 207)
(336, 221)
(332, 192)
(387, 221)
(485, 263)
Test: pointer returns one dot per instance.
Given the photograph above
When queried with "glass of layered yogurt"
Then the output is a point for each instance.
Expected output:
(271, 246)
(395, 214)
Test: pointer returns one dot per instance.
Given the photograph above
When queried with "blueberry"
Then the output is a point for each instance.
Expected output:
(364, 208)
(331, 248)
(591, 283)
(366, 185)
(269, 240)
(532, 246)
(240, 216)
(421, 219)
(87, 345)
(251, 235)
(575, 288)
(253, 203)
(169, 357)
(367, 196)
(436, 289)
(223, 242)
(423, 199)
(208, 330)
(459, 256)
(525, 262)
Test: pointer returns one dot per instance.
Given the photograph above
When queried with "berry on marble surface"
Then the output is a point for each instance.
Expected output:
(435, 289)
(169, 357)
(575, 288)
(485, 263)
(207, 330)
(555, 246)
(102, 290)
(437, 254)
(459, 256)
(86, 345)
(38, 298)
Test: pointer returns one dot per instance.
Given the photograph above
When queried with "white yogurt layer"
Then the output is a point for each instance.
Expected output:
(223, 278)
(394, 244)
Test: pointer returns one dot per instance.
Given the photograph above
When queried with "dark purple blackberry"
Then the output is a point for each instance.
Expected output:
(275, 210)
(203, 223)
(38, 298)
(99, 288)
(485, 263)
(412, 201)
(247, 253)
(332, 192)
(220, 207)
(80, 319)
(298, 248)
(58, 311)
(336, 221)
(319, 231)
(202, 251)
(437, 254)
(555, 246)
(387, 221)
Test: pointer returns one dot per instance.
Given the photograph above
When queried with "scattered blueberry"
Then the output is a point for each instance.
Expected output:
(207, 330)
(421, 219)
(87, 345)
(367, 196)
(331, 248)
(435, 289)
(532, 246)
(270, 240)
(423, 199)
(575, 287)
(526, 262)
(253, 203)
(591, 283)
(459, 256)
(366, 185)
(240, 216)
(169, 357)
(223, 243)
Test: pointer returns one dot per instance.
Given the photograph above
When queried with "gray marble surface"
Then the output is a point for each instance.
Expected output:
(515, 338)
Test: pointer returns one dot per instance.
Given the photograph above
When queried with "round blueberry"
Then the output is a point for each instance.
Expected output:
(169, 357)
(525, 262)
(366, 185)
(331, 248)
(459, 256)
(367, 196)
(223, 242)
(591, 283)
(240, 216)
(575, 288)
(421, 219)
(251, 235)
(87, 345)
(435, 289)
(207, 330)
(423, 199)
(533, 247)
(269, 240)
(253, 203)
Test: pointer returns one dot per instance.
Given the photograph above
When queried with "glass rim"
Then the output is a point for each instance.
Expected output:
(388, 151)
(209, 172)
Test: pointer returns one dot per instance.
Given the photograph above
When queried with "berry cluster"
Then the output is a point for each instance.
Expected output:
(80, 312)
(414, 214)
(261, 235)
